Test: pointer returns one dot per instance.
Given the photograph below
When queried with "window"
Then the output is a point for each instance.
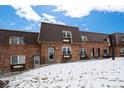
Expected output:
(122, 39)
(17, 60)
(66, 34)
(106, 39)
(66, 50)
(36, 60)
(106, 51)
(82, 51)
(84, 38)
(16, 40)
(122, 51)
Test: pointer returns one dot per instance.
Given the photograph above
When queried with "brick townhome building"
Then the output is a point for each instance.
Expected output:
(21, 50)
(18, 47)
(118, 42)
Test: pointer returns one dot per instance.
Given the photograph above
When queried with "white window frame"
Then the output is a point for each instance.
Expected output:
(84, 38)
(18, 59)
(106, 40)
(107, 50)
(66, 52)
(66, 34)
(17, 40)
(83, 50)
(51, 48)
(36, 59)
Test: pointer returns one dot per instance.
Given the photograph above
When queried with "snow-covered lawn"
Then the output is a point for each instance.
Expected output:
(95, 73)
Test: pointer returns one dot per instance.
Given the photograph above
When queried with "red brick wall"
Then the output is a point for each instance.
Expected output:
(117, 50)
(28, 50)
(58, 51)
(90, 45)
(75, 50)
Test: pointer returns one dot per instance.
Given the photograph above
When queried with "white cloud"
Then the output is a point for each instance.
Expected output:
(27, 12)
(50, 19)
(85, 29)
(84, 24)
(80, 8)
(32, 27)
(13, 23)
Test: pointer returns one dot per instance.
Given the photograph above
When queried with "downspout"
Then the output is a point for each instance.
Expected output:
(116, 38)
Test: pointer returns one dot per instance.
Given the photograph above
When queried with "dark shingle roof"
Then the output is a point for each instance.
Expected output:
(53, 33)
(29, 37)
(95, 37)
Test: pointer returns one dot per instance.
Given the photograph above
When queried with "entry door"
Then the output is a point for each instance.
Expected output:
(36, 61)
(98, 52)
(50, 53)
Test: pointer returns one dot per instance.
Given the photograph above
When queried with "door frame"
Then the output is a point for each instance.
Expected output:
(53, 53)
(92, 53)
(98, 52)
(35, 65)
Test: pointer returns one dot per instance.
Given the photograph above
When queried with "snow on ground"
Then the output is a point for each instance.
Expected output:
(92, 73)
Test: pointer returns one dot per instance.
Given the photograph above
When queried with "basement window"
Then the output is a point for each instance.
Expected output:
(17, 59)
(66, 50)
(16, 40)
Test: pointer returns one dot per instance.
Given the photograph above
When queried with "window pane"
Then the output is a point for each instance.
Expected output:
(21, 40)
(14, 59)
(64, 34)
(64, 50)
(37, 58)
(122, 50)
(82, 51)
(68, 51)
(14, 40)
(21, 59)
(68, 34)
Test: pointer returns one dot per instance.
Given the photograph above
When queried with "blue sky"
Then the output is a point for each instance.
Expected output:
(29, 18)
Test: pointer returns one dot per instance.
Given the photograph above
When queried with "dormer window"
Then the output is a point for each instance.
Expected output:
(122, 39)
(106, 39)
(66, 34)
(84, 38)
(16, 40)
